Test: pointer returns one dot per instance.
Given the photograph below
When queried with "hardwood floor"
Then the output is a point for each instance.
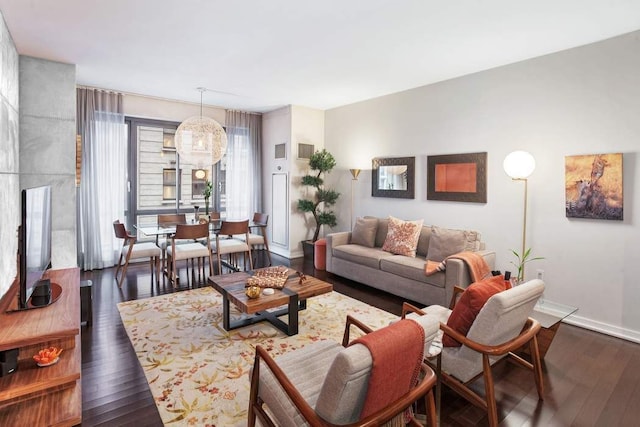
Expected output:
(590, 379)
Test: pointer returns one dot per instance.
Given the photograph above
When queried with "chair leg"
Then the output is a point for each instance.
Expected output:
(118, 282)
(492, 410)
(173, 271)
(157, 271)
(429, 404)
(250, 259)
(537, 367)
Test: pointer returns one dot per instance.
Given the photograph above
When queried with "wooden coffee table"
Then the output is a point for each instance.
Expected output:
(294, 296)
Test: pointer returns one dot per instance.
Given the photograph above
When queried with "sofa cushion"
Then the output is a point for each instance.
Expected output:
(423, 241)
(381, 234)
(469, 305)
(411, 268)
(445, 242)
(364, 232)
(402, 237)
(358, 254)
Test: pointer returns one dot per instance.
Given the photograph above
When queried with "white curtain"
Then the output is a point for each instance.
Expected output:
(244, 164)
(103, 179)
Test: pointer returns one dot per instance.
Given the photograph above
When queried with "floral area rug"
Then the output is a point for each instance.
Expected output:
(198, 373)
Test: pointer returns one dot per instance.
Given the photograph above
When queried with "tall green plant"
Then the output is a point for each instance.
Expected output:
(522, 259)
(321, 162)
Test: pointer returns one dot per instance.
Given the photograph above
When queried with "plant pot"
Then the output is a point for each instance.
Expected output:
(307, 249)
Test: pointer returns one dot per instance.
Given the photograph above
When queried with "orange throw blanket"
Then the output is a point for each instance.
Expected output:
(478, 267)
(397, 353)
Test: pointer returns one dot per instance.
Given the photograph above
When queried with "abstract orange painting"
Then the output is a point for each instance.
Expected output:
(593, 186)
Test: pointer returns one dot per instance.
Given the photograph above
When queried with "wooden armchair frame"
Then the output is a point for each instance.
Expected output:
(528, 335)
(424, 388)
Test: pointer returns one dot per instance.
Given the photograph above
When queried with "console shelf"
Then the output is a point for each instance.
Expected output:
(49, 395)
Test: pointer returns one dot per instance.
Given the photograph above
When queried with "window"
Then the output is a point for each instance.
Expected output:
(159, 182)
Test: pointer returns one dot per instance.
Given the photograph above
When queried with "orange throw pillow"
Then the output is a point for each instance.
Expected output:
(469, 305)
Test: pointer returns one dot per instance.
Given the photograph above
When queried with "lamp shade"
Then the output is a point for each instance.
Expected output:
(200, 141)
(519, 164)
(355, 173)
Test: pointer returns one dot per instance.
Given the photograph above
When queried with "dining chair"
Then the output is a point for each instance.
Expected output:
(168, 220)
(258, 241)
(328, 384)
(198, 248)
(225, 244)
(131, 249)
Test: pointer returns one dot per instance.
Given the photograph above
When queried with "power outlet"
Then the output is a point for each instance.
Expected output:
(540, 274)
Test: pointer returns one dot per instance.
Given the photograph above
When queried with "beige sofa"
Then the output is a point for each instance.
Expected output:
(359, 256)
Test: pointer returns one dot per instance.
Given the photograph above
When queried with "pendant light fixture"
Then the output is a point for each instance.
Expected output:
(200, 141)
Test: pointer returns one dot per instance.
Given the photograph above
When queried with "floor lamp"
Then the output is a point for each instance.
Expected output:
(519, 165)
(354, 174)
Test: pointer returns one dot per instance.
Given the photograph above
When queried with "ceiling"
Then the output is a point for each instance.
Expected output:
(258, 55)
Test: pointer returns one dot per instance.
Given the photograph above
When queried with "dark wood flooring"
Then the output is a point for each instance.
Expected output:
(590, 379)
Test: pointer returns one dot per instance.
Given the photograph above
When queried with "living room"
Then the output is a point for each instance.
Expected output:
(576, 101)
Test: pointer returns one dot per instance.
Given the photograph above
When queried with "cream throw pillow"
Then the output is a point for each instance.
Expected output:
(402, 237)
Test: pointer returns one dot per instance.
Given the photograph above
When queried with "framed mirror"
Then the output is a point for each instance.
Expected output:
(393, 177)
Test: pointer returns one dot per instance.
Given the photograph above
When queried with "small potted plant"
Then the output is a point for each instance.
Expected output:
(208, 189)
(321, 162)
(522, 259)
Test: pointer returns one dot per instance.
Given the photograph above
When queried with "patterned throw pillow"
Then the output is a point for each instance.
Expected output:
(402, 237)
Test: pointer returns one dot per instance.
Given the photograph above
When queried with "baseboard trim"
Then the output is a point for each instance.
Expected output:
(604, 328)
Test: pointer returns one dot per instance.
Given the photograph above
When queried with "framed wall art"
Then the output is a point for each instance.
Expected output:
(393, 177)
(593, 186)
(457, 177)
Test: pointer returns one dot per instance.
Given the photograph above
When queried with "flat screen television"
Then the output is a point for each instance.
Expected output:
(34, 241)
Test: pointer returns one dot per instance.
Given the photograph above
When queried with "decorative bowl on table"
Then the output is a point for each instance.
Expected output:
(253, 291)
(47, 356)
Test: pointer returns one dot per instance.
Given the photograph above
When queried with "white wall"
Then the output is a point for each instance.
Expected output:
(166, 109)
(276, 129)
(291, 125)
(580, 101)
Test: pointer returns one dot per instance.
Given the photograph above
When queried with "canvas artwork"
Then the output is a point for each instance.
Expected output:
(593, 185)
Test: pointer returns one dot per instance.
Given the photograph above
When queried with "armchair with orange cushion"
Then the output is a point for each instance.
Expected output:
(369, 382)
(486, 324)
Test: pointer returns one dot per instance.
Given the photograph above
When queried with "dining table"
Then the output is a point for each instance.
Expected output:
(167, 231)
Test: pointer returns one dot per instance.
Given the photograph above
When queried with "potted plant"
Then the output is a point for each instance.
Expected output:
(522, 259)
(208, 189)
(320, 162)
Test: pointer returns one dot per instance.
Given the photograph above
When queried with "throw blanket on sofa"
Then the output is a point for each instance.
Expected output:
(393, 372)
(478, 267)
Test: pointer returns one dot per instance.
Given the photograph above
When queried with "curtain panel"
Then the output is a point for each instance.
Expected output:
(102, 193)
(244, 164)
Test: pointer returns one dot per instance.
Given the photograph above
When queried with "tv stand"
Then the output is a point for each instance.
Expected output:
(56, 292)
(33, 396)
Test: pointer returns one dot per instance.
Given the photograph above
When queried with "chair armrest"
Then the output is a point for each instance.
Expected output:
(409, 308)
(355, 322)
(305, 409)
(457, 291)
(531, 328)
